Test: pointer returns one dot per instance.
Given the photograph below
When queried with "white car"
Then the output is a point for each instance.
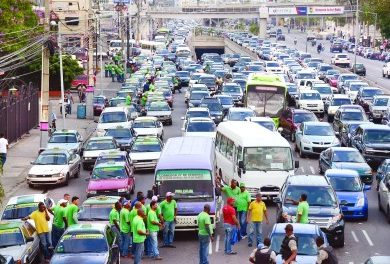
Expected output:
(70, 140)
(379, 106)
(238, 114)
(145, 152)
(266, 122)
(324, 89)
(341, 60)
(54, 166)
(161, 110)
(334, 103)
(195, 112)
(273, 66)
(311, 100)
(199, 127)
(148, 126)
(113, 117)
(194, 87)
(94, 147)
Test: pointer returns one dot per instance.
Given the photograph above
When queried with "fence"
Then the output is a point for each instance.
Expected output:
(19, 112)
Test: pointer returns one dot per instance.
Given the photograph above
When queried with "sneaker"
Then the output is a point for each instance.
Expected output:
(171, 246)
(232, 253)
(158, 258)
(243, 237)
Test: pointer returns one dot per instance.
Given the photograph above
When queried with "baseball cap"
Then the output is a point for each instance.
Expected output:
(260, 245)
(170, 194)
(126, 202)
(242, 184)
(62, 201)
(155, 198)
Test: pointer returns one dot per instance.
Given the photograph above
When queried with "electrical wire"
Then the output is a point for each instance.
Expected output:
(13, 32)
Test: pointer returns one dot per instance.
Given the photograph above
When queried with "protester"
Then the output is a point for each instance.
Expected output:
(230, 223)
(154, 226)
(231, 191)
(302, 209)
(242, 203)
(128, 99)
(114, 217)
(325, 254)
(125, 224)
(139, 235)
(41, 220)
(3, 151)
(60, 222)
(289, 247)
(72, 210)
(205, 234)
(106, 69)
(169, 212)
(257, 211)
(263, 254)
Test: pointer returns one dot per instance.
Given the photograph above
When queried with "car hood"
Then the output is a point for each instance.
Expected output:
(145, 156)
(81, 258)
(381, 146)
(67, 146)
(314, 211)
(113, 125)
(14, 251)
(200, 134)
(325, 139)
(46, 169)
(107, 184)
(299, 259)
(350, 197)
(146, 131)
(158, 113)
(361, 168)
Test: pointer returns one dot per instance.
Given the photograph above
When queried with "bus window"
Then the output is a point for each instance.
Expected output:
(223, 145)
(229, 149)
(218, 141)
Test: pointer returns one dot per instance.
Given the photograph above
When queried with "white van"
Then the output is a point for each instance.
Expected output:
(253, 155)
(113, 117)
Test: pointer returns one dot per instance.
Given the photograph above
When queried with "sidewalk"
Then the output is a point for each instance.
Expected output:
(26, 149)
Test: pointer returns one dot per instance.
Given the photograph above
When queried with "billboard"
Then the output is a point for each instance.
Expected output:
(326, 10)
(122, 2)
(306, 10)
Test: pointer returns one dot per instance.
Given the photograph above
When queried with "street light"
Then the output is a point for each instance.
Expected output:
(307, 23)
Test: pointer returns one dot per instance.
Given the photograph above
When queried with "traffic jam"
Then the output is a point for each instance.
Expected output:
(247, 123)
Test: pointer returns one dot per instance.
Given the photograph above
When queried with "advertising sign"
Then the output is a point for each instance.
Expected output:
(326, 10)
(306, 10)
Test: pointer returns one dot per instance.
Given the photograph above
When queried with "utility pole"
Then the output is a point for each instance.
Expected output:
(128, 35)
(357, 36)
(44, 117)
(307, 23)
(61, 75)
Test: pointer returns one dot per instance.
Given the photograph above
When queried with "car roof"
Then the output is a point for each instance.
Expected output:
(98, 227)
(240, 109)
(200, 119)
(343, 96)
(102, 199)
(65, 131)
(316, 123)
(114, 109)
(307, 180)
(110, 164)
(341, 173)
(372, 126)
(10, 225)
(112, 153)
(145, 118)
(298, 228)
(198, 109)
(29, 198)
(101, 138)
(308, 91)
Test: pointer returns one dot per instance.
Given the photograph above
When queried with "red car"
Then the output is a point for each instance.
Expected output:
(81, 80)
(291, 119)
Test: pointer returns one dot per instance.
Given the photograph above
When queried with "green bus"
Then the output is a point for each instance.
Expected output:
(266, 95)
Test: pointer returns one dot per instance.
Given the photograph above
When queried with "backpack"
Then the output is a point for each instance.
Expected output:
(332, 259)
(263, 257)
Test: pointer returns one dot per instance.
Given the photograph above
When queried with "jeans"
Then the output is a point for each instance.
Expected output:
(3, 158)
(139, 250)
(168, 233)
(106, 73)
(45, 240)
(228, 237)
(204, 242)
(153, 241)
(148, 247)
(125, 243)
(242, 220)
(113, 77)
(56, 234)
(255, 229)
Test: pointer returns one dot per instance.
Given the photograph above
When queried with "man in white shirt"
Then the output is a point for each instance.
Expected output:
(3, 151)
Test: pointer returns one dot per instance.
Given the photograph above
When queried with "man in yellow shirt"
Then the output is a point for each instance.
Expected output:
(41, 219)
(257, 211)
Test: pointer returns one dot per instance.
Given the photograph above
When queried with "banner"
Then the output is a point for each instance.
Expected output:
(306, 10)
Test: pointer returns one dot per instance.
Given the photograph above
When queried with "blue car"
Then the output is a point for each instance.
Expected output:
(345, 158)
(351, 193)
(306, 235)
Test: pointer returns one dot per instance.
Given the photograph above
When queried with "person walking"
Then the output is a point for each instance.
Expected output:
(153, 226)
(72, 210)
(41, 220)
(325, 254)
(205, 234)
(242, 203)
(263, 254)
(169, 212)
(139, 235)
(106, 69)
(289, 248)
(60, 222)
(70, 100)
(115, 219)
(128, 99)
(257, 211)
(302, 209)
(113, 72)
(230, 223)
(3, 151)
(125, 228)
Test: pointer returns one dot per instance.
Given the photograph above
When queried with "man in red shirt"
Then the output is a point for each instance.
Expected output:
(230, 223)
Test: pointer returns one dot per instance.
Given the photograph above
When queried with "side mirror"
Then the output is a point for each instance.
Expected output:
(296, 164)
(280, 129)
(241, 164)
(149, 194)
(277, 200)
(32, 162)
(366, 187)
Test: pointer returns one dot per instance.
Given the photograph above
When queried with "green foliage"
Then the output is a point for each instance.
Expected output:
(240, 26)
(254, 28)
(71, 70)
(380, 7)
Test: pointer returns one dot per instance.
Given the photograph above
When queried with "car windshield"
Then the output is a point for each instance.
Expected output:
(113, 117)
(183, 74)
(313, 130)
(146, 147)
(207, 80)
(231, 89)
(100, 145)
(292, 89)
(98, 100)
(352, 116)
(276, 158)
(11, 237)
(371, 92)
(348, 77)
(323, 89)
(226, 100)
(116, 102)
(355, 87)
(304, 117)
(159, 107)
(381, 101)
(109, 173)
(306, 243)
(240, 116)
(310, 96)
(18, 211)
(332, 72)
(51, 159)
(62, 138)
(200, 127)
(341, 101)
(316, 195)
(270, 125)
(213, 107)
(72, 243)
(305, 76)
(345, 184)
(144, 124)
(197, 96)
(359, 66)
(273, 64)
(119, 133)
(94, 212)
(377, 136)
(326, 69)
(348, 156)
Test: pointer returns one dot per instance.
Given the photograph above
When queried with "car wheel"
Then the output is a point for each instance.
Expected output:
(339, 243)
(301, 153)
(66, 183)
(78, 172)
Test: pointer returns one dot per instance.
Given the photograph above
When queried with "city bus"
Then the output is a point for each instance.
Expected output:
(187, 168)
(266, 95)
(253, 155)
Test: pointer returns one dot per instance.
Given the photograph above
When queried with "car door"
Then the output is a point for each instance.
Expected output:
(325, 160)
(112, 246)
(299, 134)
(73, 164)
(384, 188)
(33, 248)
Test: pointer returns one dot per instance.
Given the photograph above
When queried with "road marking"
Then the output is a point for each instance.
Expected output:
(312, 169)
(368, 238)
(217, 243)
(350, 262)
(354, 237)
(303, 170)
(210, 248)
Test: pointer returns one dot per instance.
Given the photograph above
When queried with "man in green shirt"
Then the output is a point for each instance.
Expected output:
(128, 99)
(139, 235)
(124, 225)
(114, 218)
(113, 72)
(303, 210)
(169, 212)
(72, 210)
(242, 203)
(59, 222)
(205, 234)
(153, 226)
(106, 68)
(231, 191)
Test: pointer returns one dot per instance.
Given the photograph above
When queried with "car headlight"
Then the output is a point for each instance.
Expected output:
(191, 105)
(87, 158)
(122, 190)
(91, 192)
(335, 221)
(306, 141)
(100, 131)
(335, 141)
(360, 202)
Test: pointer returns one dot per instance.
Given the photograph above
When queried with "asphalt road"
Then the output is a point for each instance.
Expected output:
(362, 239)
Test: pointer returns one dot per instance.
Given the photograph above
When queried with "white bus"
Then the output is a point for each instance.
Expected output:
(253, 155)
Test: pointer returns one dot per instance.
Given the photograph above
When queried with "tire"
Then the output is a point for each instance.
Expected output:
(132, 189)
(77, 173)
(66, 183)
(301, 153)
(330, 119)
